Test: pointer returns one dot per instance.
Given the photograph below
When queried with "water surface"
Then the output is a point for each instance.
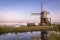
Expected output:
(19, 36)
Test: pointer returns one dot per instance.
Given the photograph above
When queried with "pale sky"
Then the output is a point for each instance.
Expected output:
(20, 10)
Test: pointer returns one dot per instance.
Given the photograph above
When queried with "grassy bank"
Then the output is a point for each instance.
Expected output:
(9, 29)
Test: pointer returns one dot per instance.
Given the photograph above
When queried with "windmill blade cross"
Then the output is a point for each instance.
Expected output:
(35, 14)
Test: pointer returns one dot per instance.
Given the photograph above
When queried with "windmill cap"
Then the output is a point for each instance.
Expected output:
(44, 12)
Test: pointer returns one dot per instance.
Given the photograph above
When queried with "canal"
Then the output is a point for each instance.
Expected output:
(21, 36)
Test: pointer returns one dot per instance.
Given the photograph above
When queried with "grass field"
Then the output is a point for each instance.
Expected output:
(8, 29)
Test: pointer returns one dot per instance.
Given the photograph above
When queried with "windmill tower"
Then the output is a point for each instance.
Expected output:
(43, 21)
(44, 18)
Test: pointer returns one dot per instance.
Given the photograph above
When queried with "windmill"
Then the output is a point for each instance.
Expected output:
(43, 21)
(43, 16)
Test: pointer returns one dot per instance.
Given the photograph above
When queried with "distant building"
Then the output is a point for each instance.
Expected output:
(31, 24)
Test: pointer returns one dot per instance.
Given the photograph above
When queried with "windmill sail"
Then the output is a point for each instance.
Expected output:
(35, 14)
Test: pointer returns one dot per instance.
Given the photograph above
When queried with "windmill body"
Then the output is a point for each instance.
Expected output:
(43, 22)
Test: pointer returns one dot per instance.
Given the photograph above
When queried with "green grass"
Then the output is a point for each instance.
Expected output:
(54, 36)
(8, 29)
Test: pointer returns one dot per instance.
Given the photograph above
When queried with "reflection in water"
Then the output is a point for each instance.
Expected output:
(20, 36)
